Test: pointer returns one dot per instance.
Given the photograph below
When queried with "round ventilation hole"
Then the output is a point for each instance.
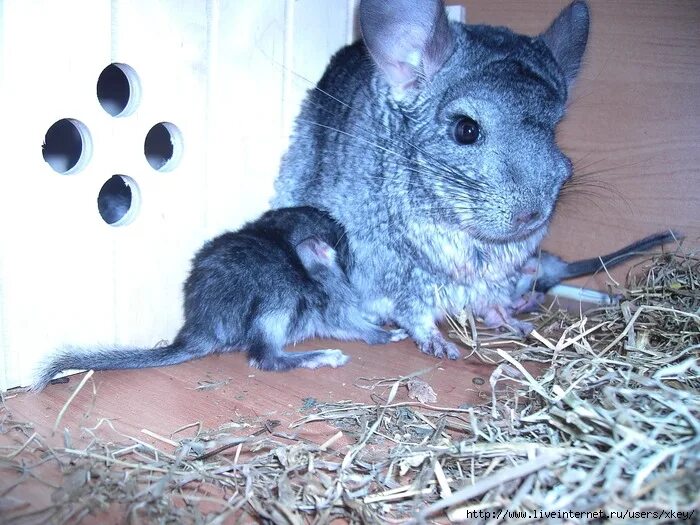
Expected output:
(163, 146)
(67, 146)
(119, 200)
(118, 90)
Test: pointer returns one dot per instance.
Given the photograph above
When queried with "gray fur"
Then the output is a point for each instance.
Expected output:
(436, 226)
(277, 280)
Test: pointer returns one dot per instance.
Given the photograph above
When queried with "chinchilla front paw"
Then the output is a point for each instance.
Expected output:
(380, 336)
(438, 346)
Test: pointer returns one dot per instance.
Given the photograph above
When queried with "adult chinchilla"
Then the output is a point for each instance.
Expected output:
(433, 144)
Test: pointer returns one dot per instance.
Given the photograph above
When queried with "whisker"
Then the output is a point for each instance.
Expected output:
(578, 167)
(399, 141)
(367, 113)
(460, 181)
(583, 182)
(439, 168)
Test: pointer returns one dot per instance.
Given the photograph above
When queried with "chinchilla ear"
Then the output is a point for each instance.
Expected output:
(408, 39)
(567, 37)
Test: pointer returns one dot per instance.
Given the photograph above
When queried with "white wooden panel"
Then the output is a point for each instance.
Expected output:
(56, 251)
(218, 70)
(255, 92)
(457, 13)
(4, 350)
(166, 44)
(245, 110)
(316, 32)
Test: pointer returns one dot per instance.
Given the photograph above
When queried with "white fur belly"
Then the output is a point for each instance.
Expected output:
(380, 310)
(478, 297)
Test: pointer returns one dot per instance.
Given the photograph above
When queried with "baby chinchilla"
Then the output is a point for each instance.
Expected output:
(543, 271)
(277, 280)
(433, 144)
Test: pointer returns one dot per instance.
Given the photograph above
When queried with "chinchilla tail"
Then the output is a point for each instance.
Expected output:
(72, 358)
(594, 264)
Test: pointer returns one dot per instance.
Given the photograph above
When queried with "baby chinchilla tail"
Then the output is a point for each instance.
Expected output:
(589, 266)
(72, 358)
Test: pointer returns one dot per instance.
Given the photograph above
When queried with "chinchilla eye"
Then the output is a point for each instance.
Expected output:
(466, 131)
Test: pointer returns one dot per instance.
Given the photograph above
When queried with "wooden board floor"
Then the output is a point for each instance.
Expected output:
(165, 399)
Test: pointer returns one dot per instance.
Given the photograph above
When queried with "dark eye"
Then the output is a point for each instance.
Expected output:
(466, 131)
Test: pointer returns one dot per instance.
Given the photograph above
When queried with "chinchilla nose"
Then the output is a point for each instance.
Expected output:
(526, 218)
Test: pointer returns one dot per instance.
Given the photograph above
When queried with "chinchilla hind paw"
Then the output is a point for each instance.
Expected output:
(398, 334)
(528, 302)
(502, 317)
(332, 358)
(289, 360)
(438, 346)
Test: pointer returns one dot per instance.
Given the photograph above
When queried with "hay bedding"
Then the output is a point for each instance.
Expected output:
(613, 424)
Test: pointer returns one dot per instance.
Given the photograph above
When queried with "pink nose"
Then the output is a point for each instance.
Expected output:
(525, 218)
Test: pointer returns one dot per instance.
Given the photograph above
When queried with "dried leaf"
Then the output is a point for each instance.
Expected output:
(421, 391)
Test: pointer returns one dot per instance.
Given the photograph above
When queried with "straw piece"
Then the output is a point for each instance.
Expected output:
(160, 438)
(486, 484)
(71, 398)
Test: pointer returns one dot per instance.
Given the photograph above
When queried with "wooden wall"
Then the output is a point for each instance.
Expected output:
(633, 122)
